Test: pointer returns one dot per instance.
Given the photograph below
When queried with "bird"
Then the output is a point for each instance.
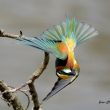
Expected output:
(61, 40)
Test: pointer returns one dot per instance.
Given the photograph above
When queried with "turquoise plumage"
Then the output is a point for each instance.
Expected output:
(73, 29)
(60, 40)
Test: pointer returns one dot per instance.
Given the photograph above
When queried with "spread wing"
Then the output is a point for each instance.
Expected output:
(47, 45)
(55, 40)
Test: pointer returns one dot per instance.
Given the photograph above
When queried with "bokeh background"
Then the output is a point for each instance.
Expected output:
(17, 62)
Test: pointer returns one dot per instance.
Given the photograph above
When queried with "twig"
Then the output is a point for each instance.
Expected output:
(40, 70)
(34, 96)
(10, 97)
(8, 35)
(5, 101)
(34, 76)
(24, 92)
(37, 73)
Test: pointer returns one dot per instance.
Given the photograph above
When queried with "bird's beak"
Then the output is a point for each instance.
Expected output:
(59, 85)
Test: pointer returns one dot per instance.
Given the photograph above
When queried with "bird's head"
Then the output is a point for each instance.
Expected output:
(67, 73)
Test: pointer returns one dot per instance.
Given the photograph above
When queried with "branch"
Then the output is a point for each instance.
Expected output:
(8, 35)
(10, 97)
(34, 76)
(39, 71)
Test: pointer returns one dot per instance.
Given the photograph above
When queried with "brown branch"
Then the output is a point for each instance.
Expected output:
(34, 76)
(8, 35)
(10, 97)
(40, 70)
(34, 96)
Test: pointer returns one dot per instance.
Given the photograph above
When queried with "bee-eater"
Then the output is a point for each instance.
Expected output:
(61, 41)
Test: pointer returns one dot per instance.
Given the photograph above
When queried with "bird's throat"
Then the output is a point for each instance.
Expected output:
(71, 60)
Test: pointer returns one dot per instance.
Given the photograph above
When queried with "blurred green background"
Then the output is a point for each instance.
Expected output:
(17, 62)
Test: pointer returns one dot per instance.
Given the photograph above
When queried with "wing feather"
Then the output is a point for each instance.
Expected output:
(70, 30)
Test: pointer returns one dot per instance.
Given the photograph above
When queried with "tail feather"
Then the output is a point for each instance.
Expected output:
(85, 32)
(79, 32)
